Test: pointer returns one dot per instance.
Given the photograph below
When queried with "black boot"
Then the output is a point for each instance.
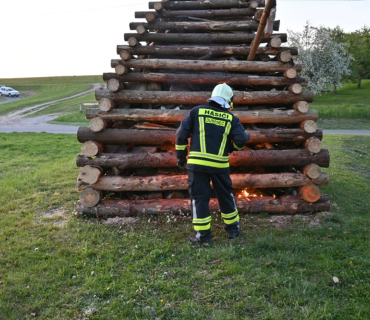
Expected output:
(201, 237)
(233, 230)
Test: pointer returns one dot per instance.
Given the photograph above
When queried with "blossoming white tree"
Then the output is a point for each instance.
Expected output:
(324, 62)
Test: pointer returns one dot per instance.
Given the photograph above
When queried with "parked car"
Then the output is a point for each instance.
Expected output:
(10, 92)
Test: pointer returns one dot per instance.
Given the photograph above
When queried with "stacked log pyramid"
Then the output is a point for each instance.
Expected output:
(171, 63)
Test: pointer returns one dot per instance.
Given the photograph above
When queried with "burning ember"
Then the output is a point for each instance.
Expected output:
(245, 194)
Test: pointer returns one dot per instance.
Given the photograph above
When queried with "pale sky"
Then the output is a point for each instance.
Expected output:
(41, 38)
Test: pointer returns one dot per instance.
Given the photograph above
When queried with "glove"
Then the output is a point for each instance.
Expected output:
(181, 164)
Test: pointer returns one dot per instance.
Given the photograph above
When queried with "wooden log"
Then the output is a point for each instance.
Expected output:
(313, 144)
(202, 50)
(125, 55)
(89, 174)
(106, 104)
(295, 88)
(243, 25)
(91, 148)
(151, 16)
(114, 85)
(179, 182)
(98, 124)
(208, 65)
(312, 171)
(259, 34)
(275, 41)
(140, 29)
(90, 197)
(301, 106)
(284, 56)
(174, 38)
(163, 137)
(310, 192)
(198, 5)
(171, 116)
(270, 23)
(245, 158)
(308, 126)
(290, 73)
(120, 69)
(200, 97)
(271, 205)
(207, 78)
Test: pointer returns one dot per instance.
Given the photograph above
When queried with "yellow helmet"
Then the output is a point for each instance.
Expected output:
(225, 92)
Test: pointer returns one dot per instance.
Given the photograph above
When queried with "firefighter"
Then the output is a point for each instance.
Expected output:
(214, 133)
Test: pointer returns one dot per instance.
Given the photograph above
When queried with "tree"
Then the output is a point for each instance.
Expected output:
(358, 43)
(324, 61)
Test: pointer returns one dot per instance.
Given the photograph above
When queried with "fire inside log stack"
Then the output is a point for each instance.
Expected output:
(173, 59)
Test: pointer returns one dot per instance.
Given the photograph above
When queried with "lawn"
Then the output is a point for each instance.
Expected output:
(56, 265)
(348, 109)
(40, 90)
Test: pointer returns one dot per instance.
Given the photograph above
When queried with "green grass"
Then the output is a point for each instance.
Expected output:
(40, 90)
(56, 265)
(349, 103)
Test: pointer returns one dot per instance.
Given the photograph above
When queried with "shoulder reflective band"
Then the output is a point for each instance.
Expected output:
(215, 114)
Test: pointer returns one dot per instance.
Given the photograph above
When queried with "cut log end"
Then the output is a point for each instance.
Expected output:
(312, 171)
(114, 85)
(275, 42)
(313, 145)
(106, 104)
(295, 88)
(285, 56)
(301, 106)
(98, 124)
(290, 73)
(91, 148)
(125, 55)
(310, 193)
(309, 126)
(89, 174)
(120, 69)
(90, 197)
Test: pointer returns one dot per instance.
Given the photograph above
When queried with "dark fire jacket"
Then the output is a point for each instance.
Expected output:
(214, 132)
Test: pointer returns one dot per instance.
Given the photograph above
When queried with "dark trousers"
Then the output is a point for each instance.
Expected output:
(200, 194)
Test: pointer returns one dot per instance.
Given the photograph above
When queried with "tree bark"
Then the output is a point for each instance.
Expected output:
(208, 65)
(198, 5)
(207, 14)
(243, 25)
(281, 205)
(202, 50)
(245, 158)
(200, 97)
(173, 38)
(207, 78)
(179, 182)
(171, 116)
(163, 137)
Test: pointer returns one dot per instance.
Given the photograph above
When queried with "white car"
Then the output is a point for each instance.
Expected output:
(10, 92)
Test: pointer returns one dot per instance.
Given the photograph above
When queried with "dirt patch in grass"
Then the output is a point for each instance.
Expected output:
(292, 222)
(119, 221)
(57, 217)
